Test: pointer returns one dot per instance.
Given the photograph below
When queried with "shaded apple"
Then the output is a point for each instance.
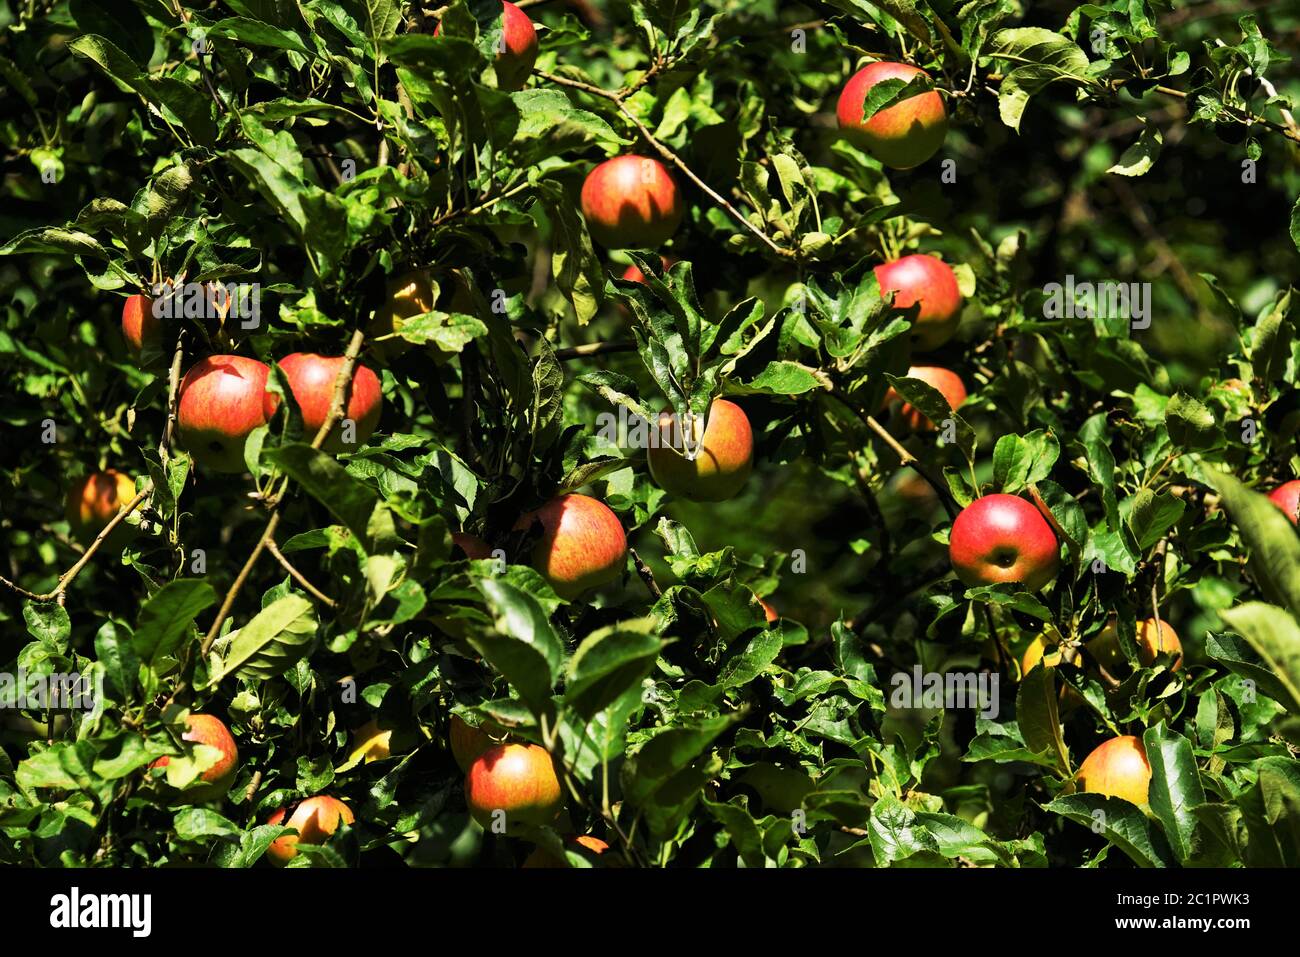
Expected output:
(633, 272)
(724, 460)
(468, 742)
(311, 378)
(517, 52)
(1003, 538)
(516, 779)
(1117, 768)
(141, 329)
(315, 819)
(473, 546)
(93, 501)
(947, 382)
(1287, 497)
(921, 278)
(631, 202)
(582, 543)
(901, 136)
(1150, 643)
(222, 400)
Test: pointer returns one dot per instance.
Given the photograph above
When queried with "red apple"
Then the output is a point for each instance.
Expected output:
(543, 858)
(212, 731)
(1117, 768)
(724, 461)
(311, 379)
(1287, 497)
(633, 272)
(93, 501)
(582, 544)
(1002, 538)
(222, 400)
(923, 279)
(769, 612)
(1150, 642)
(945, 380)
(315, 819)
(902, 136)
(468, 742)
(473, 546)
(518, 779)
(515, 63)
(141, 329)
(631, 202)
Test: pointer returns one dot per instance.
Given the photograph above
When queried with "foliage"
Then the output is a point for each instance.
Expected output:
(321, 147)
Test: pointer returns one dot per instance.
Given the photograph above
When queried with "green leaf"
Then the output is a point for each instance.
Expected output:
(351, 502)
(1038, 719)
(1191, 425)
(608, 663)
(1022, 461)
(167, 622)
(1141, 156)
(522, 646)
(1175, 788)
(1119, 822)
(1275, 636)
(277, 637)
(1270, 537)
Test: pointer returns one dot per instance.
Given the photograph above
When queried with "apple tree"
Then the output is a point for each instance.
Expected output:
(650, 433)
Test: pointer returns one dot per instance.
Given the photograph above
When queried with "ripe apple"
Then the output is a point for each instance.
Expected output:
(1287, 497)
(633, 272)
(1037, 653)
(1002, 538)
(1150, 642)
(725, 459)
(468, 742)
(93, 501)
(902, 136)
(1117, 768)
(212, 731)
(473, 546)
(222, 400)
(946, 381)
(315, 819)
(769, 612)
(582, 544)
(514, 64)
(631, 202)
(518, 779)
(542, 858)
(311, 379)
(371, 743)
(141, 329)
(921, 278)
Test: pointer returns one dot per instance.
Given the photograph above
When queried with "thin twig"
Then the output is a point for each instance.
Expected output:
(70, 575)
(904, 456)
(298, 576)
(646, 574)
